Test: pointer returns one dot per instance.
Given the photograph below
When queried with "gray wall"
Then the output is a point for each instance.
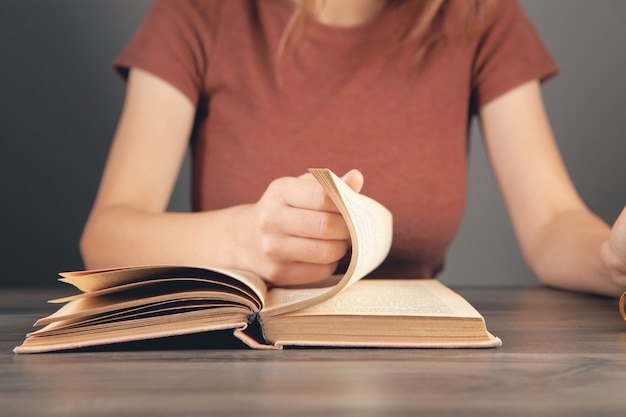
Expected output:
(586, 103)
(59, 103)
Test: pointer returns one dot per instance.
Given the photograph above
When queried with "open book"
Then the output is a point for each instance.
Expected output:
(148, 302)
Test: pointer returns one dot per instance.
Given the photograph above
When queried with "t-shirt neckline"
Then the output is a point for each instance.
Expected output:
(321, 28)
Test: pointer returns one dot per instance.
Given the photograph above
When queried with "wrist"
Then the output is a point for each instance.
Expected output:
(239, 248)
(614, 264)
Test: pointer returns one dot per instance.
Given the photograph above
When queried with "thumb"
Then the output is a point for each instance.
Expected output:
(354, 178)
(614, 250)
(617, 238)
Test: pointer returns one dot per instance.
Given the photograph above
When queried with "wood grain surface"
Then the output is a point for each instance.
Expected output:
(563, 355)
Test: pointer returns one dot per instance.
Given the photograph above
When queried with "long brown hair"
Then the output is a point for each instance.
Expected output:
(422, 16)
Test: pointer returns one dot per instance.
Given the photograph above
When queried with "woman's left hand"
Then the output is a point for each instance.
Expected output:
(614, 251)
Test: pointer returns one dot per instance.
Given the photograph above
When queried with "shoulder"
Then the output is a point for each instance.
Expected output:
(202, 18)
(187, 11)
(203, 9)
(509, 53)
(184, 6)
(177, 39)
(483, 18)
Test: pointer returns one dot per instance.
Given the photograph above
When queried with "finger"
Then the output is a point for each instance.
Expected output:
(355, 180)
(304, 192)
(312, 224)
(617, 242)
(619, 233)
(311, 251)
(298, 273)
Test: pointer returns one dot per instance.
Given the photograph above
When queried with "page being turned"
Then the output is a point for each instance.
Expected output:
(370, 225)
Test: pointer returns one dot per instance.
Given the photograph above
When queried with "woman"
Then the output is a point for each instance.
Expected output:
(266, 89)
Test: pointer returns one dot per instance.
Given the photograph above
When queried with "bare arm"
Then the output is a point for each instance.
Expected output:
(562, 241)
(292, 235)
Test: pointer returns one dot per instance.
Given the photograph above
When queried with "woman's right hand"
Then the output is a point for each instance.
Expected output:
(295, 233)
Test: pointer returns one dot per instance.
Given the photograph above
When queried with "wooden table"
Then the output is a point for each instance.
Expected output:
(563, 354)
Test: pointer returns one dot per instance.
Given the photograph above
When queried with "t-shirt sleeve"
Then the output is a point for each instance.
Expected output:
(174, 43)
(509, 54)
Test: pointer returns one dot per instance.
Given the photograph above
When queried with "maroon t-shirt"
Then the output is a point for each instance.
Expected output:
(404, 127)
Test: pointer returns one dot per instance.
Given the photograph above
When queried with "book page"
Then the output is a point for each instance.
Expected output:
(105, 281)
(371, 230)
(146, 328)
(384, 313)
(392, 297)
(122, 306)
(370, 225)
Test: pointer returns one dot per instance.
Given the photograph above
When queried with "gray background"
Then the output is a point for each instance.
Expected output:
(60, 100)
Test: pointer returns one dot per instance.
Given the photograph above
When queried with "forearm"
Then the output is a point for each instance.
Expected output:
(566, 253)
(123, 235)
